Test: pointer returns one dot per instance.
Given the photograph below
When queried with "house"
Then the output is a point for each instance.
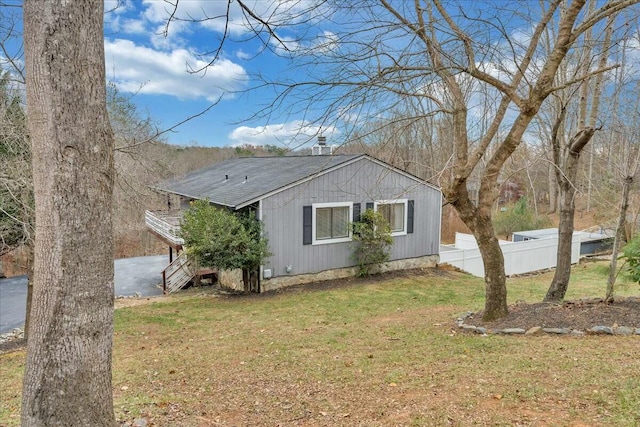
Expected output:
(510, 192)
(306, 204)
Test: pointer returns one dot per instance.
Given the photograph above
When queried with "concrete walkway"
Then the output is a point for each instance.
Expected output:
(141, 275)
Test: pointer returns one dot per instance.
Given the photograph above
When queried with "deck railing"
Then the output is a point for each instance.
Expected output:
(166, 224)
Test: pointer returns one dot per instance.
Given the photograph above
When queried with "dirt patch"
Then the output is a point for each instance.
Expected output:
(13, 345)
(581, 315)
(130, 302)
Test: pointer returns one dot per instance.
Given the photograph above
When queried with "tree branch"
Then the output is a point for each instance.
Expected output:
(582, 78)
(151, 139)
(610, 8)
(580, 140)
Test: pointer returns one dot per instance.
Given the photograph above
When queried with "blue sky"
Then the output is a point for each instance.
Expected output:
(142, 60)
(146, 57)
(150, 62)
(153, 64)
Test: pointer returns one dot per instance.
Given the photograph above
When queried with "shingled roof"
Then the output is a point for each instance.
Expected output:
(240, 181)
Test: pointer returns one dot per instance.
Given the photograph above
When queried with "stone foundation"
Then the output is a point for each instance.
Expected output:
(231, 279)
(341, 273)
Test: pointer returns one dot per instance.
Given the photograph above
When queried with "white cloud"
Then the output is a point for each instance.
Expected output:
(133, 26)
(14, 66)
(114, 14)
(117, 6)
(241, 54)
(321, 44)
(151, 17)
(145, 70)
(291, 134)
(221, 16)
(209, 14)
(502, 71)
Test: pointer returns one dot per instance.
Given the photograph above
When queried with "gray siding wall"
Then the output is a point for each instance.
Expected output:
(361, 182)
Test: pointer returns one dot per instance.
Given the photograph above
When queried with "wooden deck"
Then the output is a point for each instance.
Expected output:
(165, 225)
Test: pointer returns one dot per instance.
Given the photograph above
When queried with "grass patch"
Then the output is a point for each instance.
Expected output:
(373, 352)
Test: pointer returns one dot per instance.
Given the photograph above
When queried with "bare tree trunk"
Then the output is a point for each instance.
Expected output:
(492, 258)
(560, 281)
(619, 237)
(553, 190)
(494, 275)
(566, 177)
(67, 380)
(590, 181)
(534, 197)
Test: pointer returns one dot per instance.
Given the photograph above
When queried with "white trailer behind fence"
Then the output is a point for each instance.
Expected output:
(519, 257)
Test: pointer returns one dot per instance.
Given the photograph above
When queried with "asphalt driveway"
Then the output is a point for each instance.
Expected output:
(141, 275)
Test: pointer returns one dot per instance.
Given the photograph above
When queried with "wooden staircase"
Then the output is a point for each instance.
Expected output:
(182, 271)
(177, 274)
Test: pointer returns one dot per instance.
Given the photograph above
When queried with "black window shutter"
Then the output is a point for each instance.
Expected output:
(370, 205)
(410, 216)
(356, 212)
(307, 229)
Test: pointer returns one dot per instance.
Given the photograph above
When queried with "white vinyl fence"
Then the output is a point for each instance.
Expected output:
(519, 257)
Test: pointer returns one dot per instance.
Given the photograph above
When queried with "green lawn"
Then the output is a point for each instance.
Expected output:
(372, 353)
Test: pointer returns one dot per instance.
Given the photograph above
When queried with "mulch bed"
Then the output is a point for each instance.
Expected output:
(580, 315)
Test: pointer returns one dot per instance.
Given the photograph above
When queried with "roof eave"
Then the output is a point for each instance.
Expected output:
(189, 196)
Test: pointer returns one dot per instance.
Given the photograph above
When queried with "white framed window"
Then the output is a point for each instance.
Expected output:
(396, 213)
(330, 222)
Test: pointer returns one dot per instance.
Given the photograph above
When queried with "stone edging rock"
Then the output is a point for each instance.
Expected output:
(538, 330)
(15, 334)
